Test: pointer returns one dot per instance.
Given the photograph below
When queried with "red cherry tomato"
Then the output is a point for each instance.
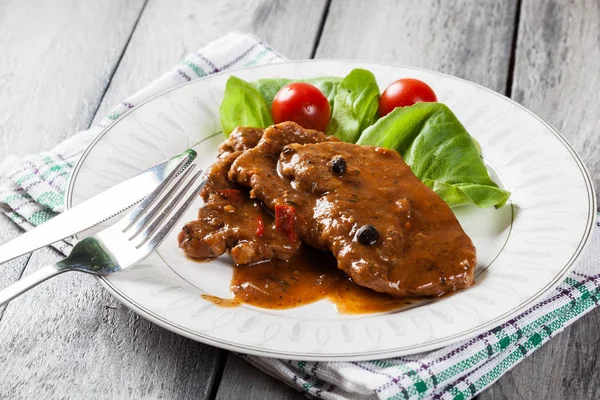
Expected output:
(403, 93)
(302, 103)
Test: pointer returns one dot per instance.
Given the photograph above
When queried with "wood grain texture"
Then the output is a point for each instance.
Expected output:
(12, 270)
(169, 30)
(242, 380)
(564, 368)
(465, 38)
(71, 317)
(556, 71)
(57, 58)
(556, 75)
(69, 338)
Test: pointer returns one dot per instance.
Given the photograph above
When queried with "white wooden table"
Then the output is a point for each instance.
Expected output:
(64, 63)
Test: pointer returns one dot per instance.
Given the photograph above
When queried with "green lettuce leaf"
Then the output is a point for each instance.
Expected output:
(243, 105)
(269, 87)
(353, 100)
(440, 152)
(354, 105)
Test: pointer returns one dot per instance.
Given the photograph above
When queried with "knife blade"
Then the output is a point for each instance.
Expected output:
(96, 210)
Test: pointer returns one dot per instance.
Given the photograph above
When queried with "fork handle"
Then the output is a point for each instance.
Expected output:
(29, 281)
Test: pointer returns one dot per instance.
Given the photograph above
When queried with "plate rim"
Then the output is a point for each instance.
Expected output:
(365, 355)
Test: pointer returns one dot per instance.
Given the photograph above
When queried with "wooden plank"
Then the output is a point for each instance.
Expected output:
(54, 70)
(57, 58)
(242, 380)
(555, 75)
(565, 368)
(68, 338)
(558, 56)
(12, 270)
(479, 51)
(71, 318)
(468, 39)
(168, 32)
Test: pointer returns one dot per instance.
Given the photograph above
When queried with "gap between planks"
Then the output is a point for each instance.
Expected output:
(222, 355)
(513, 50)
(112, 73)
(116, 66)
(320, 30)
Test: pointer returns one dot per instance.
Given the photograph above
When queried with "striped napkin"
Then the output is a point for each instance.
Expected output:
(32, 191)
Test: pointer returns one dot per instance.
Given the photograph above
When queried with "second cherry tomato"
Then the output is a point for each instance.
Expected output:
(302, 103)
(403, 93)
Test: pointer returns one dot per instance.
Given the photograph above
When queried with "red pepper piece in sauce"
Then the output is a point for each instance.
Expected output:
(284, 220)
(260, 226)
(230, 194)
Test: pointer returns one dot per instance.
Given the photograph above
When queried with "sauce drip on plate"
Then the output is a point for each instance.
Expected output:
(310, 276)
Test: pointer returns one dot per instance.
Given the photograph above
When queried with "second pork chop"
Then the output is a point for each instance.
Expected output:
(388, 231)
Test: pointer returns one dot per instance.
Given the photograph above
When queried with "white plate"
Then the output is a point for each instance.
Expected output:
(524, 249)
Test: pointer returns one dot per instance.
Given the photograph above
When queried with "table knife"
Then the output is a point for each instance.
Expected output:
(96, 210)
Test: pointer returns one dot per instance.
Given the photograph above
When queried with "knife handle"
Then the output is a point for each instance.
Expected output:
(84, 215)
(30, 281)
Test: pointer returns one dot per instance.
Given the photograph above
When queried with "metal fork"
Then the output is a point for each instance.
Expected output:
(128, 241)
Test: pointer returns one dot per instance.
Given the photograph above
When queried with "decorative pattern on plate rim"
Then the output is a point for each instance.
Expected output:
(553, 206)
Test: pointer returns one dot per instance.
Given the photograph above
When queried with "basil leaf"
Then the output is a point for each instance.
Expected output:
(440, 152)
(243, 105)
(354, 105)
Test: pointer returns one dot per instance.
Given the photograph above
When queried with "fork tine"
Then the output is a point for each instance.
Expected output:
(157, 237)
(147, 231)
(135, 214)
(157, 204)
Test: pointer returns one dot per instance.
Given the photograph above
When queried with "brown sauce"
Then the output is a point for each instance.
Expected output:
(382, 226)
(218, 301)
(310, 276)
